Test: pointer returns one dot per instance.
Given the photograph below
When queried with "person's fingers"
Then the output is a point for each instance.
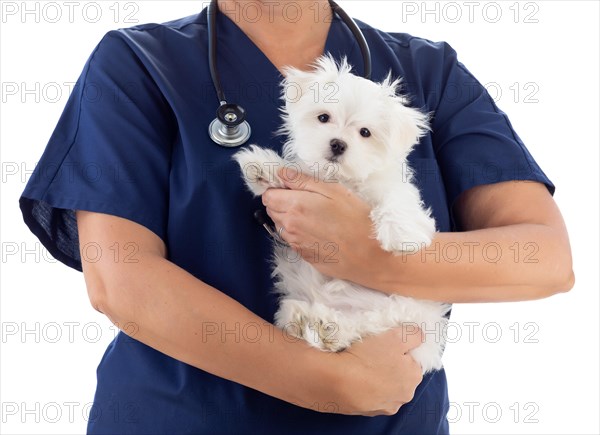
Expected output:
(295, 180)
(283, 200)
(280, 219)
(277, 218)
(290, 231)
(411, 336)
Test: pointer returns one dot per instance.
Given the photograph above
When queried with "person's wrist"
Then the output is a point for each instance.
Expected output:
(378, 269)
(327, 373)
(351, 384)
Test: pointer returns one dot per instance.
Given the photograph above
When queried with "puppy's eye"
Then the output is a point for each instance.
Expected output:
(323, 117)
(364, 132)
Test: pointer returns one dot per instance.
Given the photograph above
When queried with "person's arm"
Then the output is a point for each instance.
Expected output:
(179, 315)
(515, 245)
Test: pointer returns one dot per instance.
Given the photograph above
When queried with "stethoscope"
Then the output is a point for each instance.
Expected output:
(230, 128)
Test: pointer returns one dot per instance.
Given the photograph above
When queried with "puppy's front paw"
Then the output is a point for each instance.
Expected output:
(259, 168)
(403, 235)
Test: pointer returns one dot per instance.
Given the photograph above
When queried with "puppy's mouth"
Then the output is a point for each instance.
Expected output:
(333, 158)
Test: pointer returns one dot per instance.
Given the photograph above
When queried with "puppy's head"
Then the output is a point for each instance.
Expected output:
(348, 126)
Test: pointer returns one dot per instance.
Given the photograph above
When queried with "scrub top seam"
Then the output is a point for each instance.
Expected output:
(85, 77)
(442, 92)
(504, 117)
(399, 43)
(143, 28)
(147, 29)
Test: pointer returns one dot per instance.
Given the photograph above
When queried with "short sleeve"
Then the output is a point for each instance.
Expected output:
(109, 153)
(474, 141)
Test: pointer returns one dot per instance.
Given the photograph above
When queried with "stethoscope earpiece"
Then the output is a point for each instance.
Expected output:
(230, 128)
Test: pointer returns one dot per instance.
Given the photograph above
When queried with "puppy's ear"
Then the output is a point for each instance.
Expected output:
(408, 125)
(392, 87)
(298, 83)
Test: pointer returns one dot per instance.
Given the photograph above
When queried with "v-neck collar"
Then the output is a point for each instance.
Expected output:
(236, 46)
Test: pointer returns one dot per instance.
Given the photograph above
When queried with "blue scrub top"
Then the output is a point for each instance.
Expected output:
(133, 142)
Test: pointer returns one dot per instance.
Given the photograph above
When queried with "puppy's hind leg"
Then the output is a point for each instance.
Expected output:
(316, 323)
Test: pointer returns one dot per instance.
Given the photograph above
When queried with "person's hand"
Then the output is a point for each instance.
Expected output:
(378, 374)
(324, 222)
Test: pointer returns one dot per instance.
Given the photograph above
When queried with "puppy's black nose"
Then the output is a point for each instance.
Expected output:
(338, 146)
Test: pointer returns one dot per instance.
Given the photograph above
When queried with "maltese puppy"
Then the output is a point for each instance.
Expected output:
(344, 128)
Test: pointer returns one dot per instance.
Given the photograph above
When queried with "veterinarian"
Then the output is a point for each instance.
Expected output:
(132, 190)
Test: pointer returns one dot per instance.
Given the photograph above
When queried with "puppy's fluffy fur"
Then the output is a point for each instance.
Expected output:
(330, 313)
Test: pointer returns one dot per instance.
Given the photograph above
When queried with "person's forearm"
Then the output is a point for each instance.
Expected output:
(511, 263)
(193, 322)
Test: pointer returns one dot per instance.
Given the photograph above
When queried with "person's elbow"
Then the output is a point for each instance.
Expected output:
(559, 276)
(564, 279)
(102, 288)
(113, 291)
(97, 294)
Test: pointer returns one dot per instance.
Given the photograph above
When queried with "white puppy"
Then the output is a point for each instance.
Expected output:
(341, 127)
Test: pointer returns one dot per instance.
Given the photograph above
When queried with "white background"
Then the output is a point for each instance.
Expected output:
(543, 380)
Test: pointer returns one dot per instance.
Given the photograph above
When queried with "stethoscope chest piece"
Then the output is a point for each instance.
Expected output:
(230, 128)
